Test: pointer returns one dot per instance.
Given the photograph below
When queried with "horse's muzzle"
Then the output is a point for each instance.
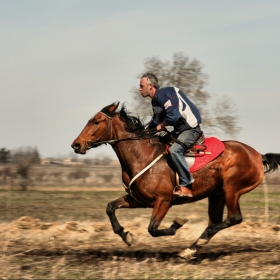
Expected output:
(78, 148)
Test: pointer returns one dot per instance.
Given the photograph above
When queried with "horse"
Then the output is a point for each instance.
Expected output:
(149, 178)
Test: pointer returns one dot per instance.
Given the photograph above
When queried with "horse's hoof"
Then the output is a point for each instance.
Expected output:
(128, 239)
(188, 254)
(180, 222)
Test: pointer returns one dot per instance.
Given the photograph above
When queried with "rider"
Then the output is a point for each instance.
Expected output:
(171, 107)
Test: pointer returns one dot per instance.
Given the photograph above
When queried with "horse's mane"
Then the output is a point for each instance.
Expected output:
(132, 123)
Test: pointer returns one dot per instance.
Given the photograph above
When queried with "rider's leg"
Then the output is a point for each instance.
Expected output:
(178, 160)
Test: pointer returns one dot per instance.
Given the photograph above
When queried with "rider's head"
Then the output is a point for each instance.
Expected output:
(151, 78)
(148, 84)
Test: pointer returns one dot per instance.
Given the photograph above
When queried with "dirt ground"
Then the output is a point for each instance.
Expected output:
(32, 249)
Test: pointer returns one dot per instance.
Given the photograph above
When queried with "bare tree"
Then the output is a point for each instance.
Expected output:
(187, 75)
(222, 118)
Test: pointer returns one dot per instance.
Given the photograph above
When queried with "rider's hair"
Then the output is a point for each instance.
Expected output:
(151, 78)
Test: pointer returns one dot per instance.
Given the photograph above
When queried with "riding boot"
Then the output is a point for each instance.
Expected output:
(182, 191)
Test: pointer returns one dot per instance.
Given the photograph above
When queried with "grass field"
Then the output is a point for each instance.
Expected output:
(57, 204)
(64, 233)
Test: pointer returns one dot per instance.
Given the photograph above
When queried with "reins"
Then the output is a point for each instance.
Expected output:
(150, 132)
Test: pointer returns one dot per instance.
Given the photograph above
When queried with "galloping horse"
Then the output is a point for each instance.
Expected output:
(237, 170)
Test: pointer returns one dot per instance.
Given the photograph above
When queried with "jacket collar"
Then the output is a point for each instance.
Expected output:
(156, 93)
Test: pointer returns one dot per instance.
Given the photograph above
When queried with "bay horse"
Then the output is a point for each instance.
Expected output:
(149, 178)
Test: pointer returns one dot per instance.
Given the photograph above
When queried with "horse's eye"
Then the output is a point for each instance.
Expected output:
(96, 122)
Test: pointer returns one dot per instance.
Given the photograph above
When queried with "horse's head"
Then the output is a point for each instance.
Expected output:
(98, 129)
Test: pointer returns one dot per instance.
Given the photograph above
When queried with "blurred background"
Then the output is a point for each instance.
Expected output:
(63, 61)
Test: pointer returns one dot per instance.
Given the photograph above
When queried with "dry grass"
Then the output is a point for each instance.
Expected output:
(66, 235)
(85, 250)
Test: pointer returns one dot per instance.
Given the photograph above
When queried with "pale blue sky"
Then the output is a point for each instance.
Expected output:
(62, 61)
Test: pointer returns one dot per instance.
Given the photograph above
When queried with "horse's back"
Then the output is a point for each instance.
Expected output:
(232, 144)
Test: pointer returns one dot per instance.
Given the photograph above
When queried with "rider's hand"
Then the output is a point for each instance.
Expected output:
(161, 126)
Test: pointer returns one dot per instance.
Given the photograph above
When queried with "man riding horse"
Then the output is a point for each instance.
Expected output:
(171, 107)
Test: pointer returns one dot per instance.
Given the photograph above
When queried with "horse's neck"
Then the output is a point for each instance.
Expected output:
(135, 155)
(128, 151)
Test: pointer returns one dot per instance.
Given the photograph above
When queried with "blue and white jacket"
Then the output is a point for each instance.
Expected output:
(170, 104)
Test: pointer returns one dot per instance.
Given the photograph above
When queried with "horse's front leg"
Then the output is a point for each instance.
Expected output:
(160, 209)
(122, 202)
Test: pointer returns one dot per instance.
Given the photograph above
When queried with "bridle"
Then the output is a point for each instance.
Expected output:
(102, 142)
(91, 144)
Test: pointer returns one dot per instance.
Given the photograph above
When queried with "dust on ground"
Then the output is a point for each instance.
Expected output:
(33, 249)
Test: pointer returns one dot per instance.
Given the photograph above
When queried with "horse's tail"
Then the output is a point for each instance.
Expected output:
(271, 162)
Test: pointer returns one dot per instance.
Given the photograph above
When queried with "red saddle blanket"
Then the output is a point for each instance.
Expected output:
(214, 147)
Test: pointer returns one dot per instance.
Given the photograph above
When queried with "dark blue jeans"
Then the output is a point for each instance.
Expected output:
(176, 154)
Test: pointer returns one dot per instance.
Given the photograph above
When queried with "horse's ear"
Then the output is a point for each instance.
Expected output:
(114, 107)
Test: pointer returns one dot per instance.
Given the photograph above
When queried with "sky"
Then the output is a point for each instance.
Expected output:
(62, 61)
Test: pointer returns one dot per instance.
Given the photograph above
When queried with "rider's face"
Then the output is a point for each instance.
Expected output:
(145, 87)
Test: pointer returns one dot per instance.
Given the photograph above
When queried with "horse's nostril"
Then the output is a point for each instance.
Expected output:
(76, 146)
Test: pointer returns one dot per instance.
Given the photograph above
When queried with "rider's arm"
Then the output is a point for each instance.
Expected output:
(170, 102)
(151, 125)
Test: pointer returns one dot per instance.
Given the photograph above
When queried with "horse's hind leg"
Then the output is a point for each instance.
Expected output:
(122, 202)
(216, 207)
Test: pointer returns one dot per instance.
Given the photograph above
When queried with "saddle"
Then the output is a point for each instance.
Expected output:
(198, 155)
(202, 152)
(196, 149)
